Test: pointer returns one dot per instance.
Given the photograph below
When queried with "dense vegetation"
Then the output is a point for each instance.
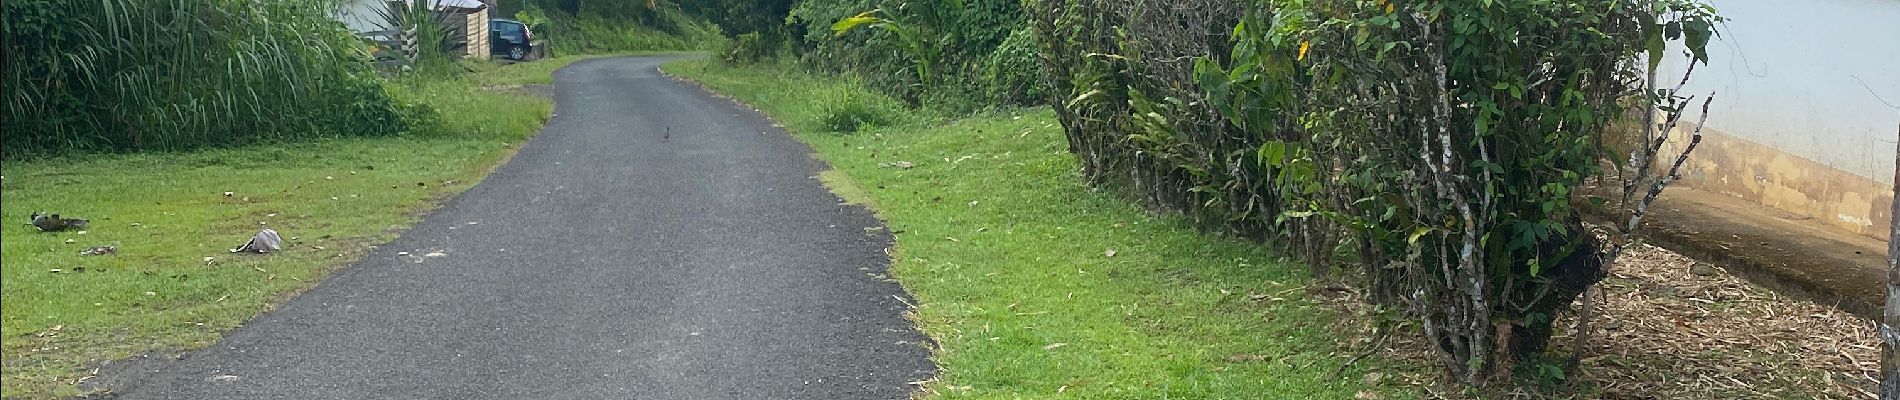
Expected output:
(147, 74)
(599, 27)
(957, 55)
(1437, 145)
(131, 75)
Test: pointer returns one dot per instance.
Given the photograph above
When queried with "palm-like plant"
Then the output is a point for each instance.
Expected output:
(432, 30)
(917, 26)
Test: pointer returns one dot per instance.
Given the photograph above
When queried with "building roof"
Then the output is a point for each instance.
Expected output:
(451, 5)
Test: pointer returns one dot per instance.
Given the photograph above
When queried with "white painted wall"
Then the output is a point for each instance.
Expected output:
(361, 15)
(1807, 77)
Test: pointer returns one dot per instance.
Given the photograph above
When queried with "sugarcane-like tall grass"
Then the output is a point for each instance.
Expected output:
(122, 75)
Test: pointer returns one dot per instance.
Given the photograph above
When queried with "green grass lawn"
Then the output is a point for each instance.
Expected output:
(172, 284)
(1036, 286)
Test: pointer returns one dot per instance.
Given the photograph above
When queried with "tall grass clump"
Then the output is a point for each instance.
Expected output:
(850, 108)
(122, 75)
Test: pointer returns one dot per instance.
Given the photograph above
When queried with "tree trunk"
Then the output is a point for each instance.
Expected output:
(1539, 302)
(1889, 338)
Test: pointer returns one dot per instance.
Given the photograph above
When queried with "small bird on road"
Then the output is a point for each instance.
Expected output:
(668, 135)
(53, 223)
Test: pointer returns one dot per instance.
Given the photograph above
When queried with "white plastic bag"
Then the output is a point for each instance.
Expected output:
(265, 241)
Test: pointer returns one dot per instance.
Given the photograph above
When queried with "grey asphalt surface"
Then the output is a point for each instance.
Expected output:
(599, 263)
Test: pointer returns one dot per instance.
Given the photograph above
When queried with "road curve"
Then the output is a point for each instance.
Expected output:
(603, 262)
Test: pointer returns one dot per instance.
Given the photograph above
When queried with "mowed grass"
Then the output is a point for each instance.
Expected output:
(172, 285)
(1035, 286)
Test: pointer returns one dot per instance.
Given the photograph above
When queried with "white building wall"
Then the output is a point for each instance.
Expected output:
(1807, 108)
(361, 15)
(1819, 79)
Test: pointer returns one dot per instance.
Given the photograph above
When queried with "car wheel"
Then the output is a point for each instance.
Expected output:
(517, 52)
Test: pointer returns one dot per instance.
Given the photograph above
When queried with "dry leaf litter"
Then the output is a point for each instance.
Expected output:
(1672, 327)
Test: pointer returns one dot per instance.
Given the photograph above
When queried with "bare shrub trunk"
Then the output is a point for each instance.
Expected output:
(1889, 338)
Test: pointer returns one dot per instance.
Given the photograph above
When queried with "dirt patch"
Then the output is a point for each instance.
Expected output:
(104, 376)
(1782, 251)
(846, 189)
(1676, 328)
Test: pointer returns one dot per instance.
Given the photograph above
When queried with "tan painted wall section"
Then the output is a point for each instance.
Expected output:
(475, 25)
(1739, 168)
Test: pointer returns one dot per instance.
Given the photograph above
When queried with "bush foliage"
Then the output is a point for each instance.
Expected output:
(1012, 73)
(611, 27)
(942, 52)
(1439, 144)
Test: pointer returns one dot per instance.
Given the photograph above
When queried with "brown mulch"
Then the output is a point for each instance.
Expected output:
(1678, 328)
(1671, 327)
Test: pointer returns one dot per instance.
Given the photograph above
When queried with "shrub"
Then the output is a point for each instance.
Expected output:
(1470, 134)
(1013, 74)
(935, 51)
(596, 33)
(1441, 141)
(746, 48)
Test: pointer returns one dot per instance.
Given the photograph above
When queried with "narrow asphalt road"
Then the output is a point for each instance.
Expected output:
(602, 262)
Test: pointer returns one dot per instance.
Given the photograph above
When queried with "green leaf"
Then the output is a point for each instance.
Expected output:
(1273, 153)
(1086, 97)
(1416, 233)
(1696, 36)
(1384, 49)
(1653, 44)
(866, 18)
(1488, 166)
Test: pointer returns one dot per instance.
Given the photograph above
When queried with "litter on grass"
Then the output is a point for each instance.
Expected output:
(265, 241)
(53, 223)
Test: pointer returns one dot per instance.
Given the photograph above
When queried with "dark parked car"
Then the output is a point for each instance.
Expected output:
(510, 38)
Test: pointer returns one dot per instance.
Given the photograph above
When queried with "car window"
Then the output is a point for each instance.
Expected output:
(512, 29)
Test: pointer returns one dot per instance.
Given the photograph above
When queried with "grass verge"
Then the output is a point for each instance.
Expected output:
(1033, 285)
(172, 285)
(541, 72)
